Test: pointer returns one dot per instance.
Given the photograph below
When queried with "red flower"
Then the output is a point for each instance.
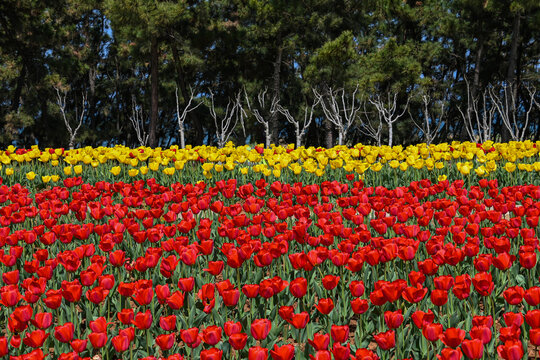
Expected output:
(534, 336)
(286, 312)
(511, 350)
(120, 343)
(439, 297)
(482, 333)
(420, 318)
(238, 341)
(340, 333)
(186, 284)
(64, 333)
(71, 291)
(215, 267)
(432, 331)
(414, 294)
(176, 300)
(320, 341)
(168, 323)
(386, 340)
(330, 282)
(232, 327)
(514, 295)
(298, 287)
(357, 288)
(251, 290)
(341, 352)
(365, 354)
(165, 341)
(299, 321)
(393, 319)
(257, 353)
(230, 297)
(211, 354)
(452, 337)
(42, 320)
(99, 325)
(483, 283)
(143, 320)
(450, 354)
(190, 336)
(212, 335)
(3, 346)
(35, 339)
(125, 316)
(260, 328)
(513, 319)
(473, 349)
(284, 352)
(79, 345)
(532, 295)
(359, 306)
(325, 306)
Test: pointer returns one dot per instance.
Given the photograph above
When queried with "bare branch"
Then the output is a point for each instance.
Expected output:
(137, 120)
(299, 127)
(181, 116)
(61, 102)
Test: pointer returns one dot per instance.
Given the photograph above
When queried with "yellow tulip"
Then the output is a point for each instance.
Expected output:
(154, 166)
(46, 178)
(244, 170)
(67, 170)
(77, 169)
(510, 167)
(30, 175)
(115, 170)
(144, 170)
(218, 168)
(441, 177)
(55, 178)
(169, 171)
(9, 171)
(133, 172)
(276, 172)
(403, 166)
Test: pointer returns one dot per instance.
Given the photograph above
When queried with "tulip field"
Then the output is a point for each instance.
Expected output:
(420, 252)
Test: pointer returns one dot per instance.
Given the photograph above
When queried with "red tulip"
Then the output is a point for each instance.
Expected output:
(511, 350)
(420, 318)
(120, 343)
(320, 341)
(260, 328)
(340, 333)
(483, 283)
(325, 306)
(257, 353)
(393, 319)
(212, 335)
(432, 331)
(99, 325)
(64, 333)
(473, 349)
(186, 284)
(211, 354)
(78, 345)
(514, 295)
(482, 333)
(238, 340)
(232, 328)
(35, 339)
(341, 352)
(190, 336)
(439, 297)
(125, 316)
(534, 336)
(357, 288)
(165, 341)
(176, 300)
(450, 354)
(321, 355)
(3, 346)
(532, 296)
(299, 321)
(230, 297)
(42, 320)
(414, 294)
(359, 306)
(386, 340)
(168, 323)
(143, 320)
(284, 352)
(444, 282)
(250, 290)
(452, 337)
(330, 282)
(298, 287)
(215, 267)
(286, 312)
(365, 354)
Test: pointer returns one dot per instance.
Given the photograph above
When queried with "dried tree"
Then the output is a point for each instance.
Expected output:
(61, 95)
(260, 108)
(387, 111)
(300, 127)
(477, 115)
(137, 120)
(341, 114)
(432, 121)
(181, 116)
(500, 99)
(226, 123)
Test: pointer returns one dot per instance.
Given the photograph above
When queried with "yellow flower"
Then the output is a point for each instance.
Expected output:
(207, 174)
(67, 170)
(78, 169)
(218, 168)
(464, 168)
(144, 170)
(30, 175)
(510, 167)
(55, 178)
(480, 171)
(46, 178)
(54, 162)
(376, 167)
(133, 172)
(394, 164)
(403, 166)
(94, 163)
(244, 170)
(154, 166)
(441, 177)
(169, 171)
(207, 166)
(115, 170)
(179, 165)
(276, 172)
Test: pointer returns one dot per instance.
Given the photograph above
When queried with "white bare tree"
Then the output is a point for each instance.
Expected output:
(226, 122)
(432, 120)
(387, 111)
(477, 116)
(500, 99)
(181, 116)
(260, 108)
(61, 95)
(367, 128)
(341, 114)
(137, 120)
(300, 127)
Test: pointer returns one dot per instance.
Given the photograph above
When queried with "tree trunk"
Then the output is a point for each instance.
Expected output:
(152, 139)
(511, 74)
(390, 134)
(328, 134)
(182, 136)
(275, 89)
(15, 102)
(185, 94)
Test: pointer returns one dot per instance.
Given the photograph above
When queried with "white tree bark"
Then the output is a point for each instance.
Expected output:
(226, 123)
(387, 112)
(181, 116)
(300, 127)
(259, 109)
(341, 114)
(137, 121)
(61, 102)
(477, 116)
(432, 123)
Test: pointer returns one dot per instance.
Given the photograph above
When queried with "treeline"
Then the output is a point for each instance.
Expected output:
(314, 72)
